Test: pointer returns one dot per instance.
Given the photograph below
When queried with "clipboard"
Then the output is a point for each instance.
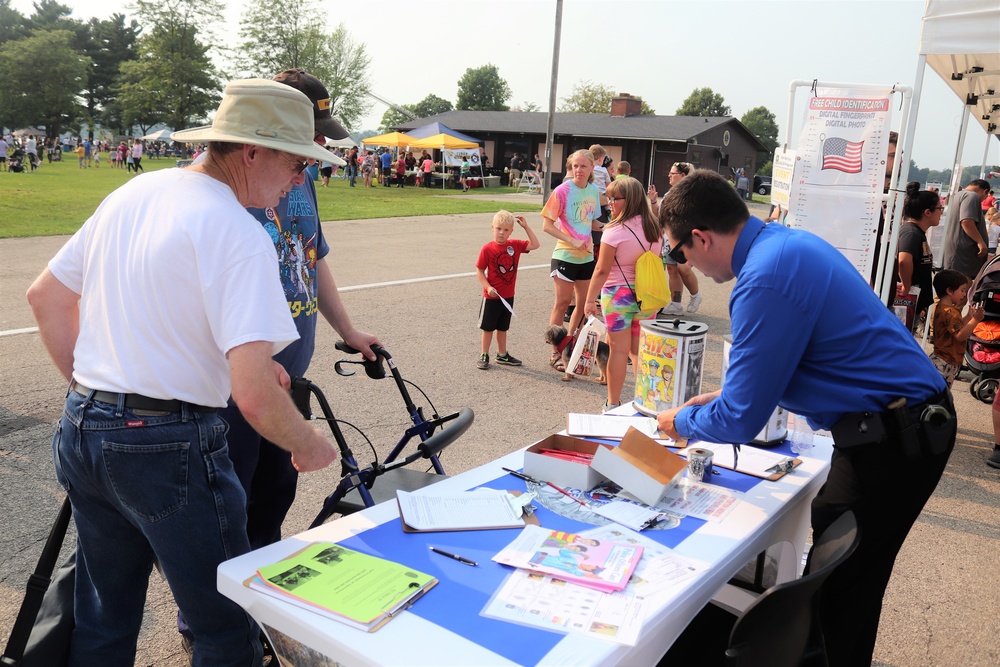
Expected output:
(771, 477)
(256, 583)
(529, 520)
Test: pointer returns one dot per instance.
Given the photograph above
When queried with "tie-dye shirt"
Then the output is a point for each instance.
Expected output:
(574, 209)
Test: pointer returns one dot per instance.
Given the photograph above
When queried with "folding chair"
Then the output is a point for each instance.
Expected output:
(781, 627)
(531, 181)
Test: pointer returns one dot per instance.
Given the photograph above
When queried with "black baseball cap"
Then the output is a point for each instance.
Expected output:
(315, 91)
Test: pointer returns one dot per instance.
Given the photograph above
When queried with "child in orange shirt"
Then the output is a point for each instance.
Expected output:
(951, 329)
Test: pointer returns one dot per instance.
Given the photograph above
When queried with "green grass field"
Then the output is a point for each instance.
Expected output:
(60, 196)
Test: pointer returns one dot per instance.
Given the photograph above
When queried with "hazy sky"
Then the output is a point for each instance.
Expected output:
(660, 50)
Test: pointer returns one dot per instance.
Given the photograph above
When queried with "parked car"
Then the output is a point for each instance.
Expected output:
(762, 185)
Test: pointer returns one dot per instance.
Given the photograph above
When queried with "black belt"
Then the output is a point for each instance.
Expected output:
(921, 429)
(139, 402)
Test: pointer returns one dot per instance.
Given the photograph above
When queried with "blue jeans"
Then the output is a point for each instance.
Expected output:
(352, 174)
(148, 486)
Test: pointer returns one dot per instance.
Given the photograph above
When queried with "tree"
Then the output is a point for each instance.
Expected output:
(173, 80)
(703, 102)
(763, 125)
(431, 106)
(43, 74)
(111, 42)
(393, 118)
(346, 77)
(13, 24)
(281, 34)
(482, 89)
(277, 35)
(590, 97)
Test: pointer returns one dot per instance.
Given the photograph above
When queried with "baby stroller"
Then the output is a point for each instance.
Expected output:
(355, 490)
(16, 161)
(982, 349)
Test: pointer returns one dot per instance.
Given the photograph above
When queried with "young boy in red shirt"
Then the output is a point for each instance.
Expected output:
(497, 271)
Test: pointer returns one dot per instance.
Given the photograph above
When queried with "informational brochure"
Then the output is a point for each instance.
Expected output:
(661, 572)
(470, 510)
(348, 586)
(599, 564)
(540, 601)
(700, 501)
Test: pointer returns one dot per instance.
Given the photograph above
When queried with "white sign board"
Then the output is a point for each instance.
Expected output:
(840, 171)
(455, 157)
(782, 177)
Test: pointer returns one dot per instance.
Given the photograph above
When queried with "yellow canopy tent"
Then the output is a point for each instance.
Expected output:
(443, 142)
(396, 139)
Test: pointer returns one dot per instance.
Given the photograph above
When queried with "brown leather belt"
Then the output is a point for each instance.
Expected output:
(139, 402)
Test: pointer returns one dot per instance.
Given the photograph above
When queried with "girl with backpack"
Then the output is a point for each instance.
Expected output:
(633, 230)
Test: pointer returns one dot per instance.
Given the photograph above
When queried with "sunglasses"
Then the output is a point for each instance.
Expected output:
(676, 253)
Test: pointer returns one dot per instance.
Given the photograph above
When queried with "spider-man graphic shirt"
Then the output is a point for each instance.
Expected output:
(499, 261)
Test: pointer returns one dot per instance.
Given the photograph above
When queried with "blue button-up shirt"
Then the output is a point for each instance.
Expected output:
(809, 334)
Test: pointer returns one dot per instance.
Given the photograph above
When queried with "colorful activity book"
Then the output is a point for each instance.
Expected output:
(599, 564)
(342, 584)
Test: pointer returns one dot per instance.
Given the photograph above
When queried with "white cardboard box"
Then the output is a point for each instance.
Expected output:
(559, 472)
(641, 466)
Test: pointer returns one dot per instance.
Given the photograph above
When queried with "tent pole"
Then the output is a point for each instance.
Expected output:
(956, 169)
(550, 123)
(986, 154)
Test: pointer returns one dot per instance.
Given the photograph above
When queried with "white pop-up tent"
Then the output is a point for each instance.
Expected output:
(960, 42)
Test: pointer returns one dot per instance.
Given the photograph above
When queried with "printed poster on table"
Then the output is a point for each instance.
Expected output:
(839, 173)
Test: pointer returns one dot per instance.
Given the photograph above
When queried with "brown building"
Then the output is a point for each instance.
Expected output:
(650, 144)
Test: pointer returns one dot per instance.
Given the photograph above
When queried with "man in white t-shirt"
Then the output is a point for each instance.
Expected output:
(162, 305)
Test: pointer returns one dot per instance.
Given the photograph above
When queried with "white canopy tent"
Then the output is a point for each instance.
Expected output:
(960, 41)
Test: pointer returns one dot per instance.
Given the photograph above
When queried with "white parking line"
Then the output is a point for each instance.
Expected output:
(351, 288)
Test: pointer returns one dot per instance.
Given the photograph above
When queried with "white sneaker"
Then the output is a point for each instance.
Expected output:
(694, 303)
(608, 407)
(674, 308)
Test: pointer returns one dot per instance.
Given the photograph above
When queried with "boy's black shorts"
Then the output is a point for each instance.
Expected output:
(494, 316)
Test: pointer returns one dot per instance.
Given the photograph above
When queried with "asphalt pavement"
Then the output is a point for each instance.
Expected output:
(940, 605)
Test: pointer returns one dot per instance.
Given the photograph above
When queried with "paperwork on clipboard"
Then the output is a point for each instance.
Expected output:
(752, 460)
(482, 509)
(611, 427)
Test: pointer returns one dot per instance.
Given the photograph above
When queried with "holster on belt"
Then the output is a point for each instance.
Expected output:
(927, 429)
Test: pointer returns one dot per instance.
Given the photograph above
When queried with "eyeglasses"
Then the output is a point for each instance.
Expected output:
(675, 173)
(300, 166)
(616, 198)
(939, 208)
(676, 253)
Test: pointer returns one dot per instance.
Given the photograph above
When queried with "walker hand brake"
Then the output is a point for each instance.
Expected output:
(373, 369)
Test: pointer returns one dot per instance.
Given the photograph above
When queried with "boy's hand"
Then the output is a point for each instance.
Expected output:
(521, 221)
(976, 312)
(492, 292)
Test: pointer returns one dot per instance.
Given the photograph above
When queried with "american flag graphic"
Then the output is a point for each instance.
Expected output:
(842, 155)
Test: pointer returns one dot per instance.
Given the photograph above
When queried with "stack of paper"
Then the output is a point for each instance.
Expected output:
(598, 564)
(481, 509)
(342, 584)
(611, 427)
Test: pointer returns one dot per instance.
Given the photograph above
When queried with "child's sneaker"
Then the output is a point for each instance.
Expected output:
(608, 407)
(484, 362)
(507, 360)
(994, 460)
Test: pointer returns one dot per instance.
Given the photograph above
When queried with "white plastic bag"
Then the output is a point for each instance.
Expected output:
(584, 357)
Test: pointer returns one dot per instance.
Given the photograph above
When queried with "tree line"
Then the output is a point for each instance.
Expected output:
(158, 67)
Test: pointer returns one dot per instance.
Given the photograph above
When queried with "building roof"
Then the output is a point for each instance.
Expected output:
(658, 128)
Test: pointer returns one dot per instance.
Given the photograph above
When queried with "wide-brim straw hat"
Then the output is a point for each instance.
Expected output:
(263, 113)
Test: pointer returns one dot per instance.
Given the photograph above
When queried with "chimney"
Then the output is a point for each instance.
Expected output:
(626, 105)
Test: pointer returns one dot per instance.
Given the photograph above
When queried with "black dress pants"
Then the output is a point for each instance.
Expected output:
(886, 492)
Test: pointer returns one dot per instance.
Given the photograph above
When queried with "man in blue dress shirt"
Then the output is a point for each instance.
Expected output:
(811, 335)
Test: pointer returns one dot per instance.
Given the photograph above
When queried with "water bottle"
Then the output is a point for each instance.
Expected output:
(800, 435)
